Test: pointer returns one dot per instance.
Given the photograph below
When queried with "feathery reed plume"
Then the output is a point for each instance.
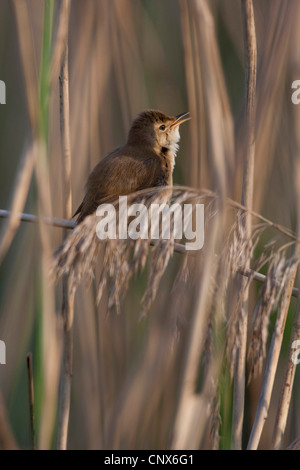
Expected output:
(78, 255)
(239, 254)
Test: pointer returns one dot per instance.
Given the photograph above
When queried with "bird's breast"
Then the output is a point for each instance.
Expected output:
(167, 161)
(168, 156)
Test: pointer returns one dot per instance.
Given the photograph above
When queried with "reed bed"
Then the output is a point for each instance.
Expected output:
(143, 344)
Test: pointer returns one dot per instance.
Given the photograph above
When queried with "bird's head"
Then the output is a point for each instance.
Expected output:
(156, 129)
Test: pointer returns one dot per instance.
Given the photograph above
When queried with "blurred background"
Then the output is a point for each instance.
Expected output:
(126, 56)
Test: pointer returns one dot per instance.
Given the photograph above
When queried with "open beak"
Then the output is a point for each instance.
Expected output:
(179, 119)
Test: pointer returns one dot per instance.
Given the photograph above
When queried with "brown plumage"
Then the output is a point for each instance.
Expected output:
(147, 160)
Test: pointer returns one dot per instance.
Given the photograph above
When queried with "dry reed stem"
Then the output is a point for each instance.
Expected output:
(67, 368)
(275, 47)
(194, 171)
(65, 135)
(278, 271)
(51, 327)
(214, 108)
(286, 393)
(68, 297)
(187, 427)
(20, 192)
(24, 176)
(60, 40)
(251, 64)
(52, 221)
(247, 199)
(271, 367)
(140, 395)
(212, 126)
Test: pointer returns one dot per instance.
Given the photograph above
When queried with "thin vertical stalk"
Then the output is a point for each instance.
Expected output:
(187, 434)
(247, 198)
(26, 167)
(65, 136)
(285, 398)
(67, 366)
(20, 193)
(191, 78)
(251, 68)
(68, 298)
(271, 367)
(45, 66)
(45, 338)
(31, 399)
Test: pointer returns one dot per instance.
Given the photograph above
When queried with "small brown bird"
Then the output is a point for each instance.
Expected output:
(147, 160)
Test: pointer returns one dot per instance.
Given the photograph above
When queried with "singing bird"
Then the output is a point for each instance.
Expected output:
(147, 160)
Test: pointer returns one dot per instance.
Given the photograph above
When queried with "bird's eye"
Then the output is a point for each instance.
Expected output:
(162, 127)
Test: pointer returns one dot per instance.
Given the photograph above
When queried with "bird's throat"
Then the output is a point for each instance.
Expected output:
(167, 155)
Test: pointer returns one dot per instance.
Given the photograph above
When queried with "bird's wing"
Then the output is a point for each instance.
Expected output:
(118, 175)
